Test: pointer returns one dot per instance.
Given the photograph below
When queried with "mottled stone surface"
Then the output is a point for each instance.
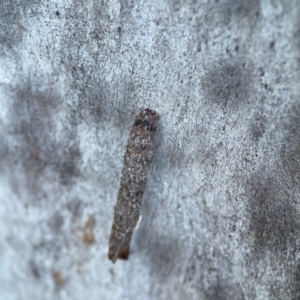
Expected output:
(221, 213)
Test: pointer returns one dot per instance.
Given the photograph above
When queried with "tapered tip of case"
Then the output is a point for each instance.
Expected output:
(124, 254)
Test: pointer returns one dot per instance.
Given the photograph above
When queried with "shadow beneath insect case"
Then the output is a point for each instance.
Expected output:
(153, 241)
(159, 252)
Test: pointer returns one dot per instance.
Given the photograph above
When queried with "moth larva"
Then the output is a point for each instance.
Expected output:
(137, 162)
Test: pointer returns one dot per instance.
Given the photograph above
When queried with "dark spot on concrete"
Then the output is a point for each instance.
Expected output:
(297, 274)
(233, 228)
(34, 269)
(274, 220)
(244, 8)
(11, 16)
(162, 252)
(262, 72)
(199, 48)
(290, 148)
(272, 44)
(257, 127)
(227, 85)
(217, 271)
(296, 40)
(222, 290)
(295, 288)
(68, 168)
(273, 206)
(57, 13)
(31, 117)
(245, 13)
(236, 48)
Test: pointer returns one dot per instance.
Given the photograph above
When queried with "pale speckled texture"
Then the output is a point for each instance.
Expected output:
(221, 215)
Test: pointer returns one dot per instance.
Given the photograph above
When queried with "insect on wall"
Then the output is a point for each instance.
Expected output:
(137, 161)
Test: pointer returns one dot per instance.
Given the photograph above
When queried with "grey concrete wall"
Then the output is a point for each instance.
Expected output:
(221, 215)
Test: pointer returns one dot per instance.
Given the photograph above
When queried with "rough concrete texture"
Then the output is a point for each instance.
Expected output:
(221, 213)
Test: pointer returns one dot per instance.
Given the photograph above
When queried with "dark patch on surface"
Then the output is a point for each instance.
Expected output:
(98, 101)
(222, 13)
(68, 168)
(32, 125)
(244, 9)
(290, 149)
(162, 252)
(297, 274)
(261, 71)
(295, 289)
(34, 269)
(296, 35)
(227, 85)
(274, 221)
(272, 44)
(257, 127)
(119, 30)
(8, 15)
(57, 13)
(210, 271)
(242, 12)
(11, 14)
(274, 195)
(224, 291)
